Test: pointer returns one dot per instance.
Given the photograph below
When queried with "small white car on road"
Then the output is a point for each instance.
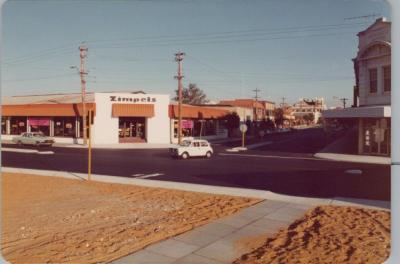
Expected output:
(192, 148)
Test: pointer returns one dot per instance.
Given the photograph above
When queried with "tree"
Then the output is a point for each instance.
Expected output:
(309, 118)
(192, 95)
(232, 122)
(279, 116)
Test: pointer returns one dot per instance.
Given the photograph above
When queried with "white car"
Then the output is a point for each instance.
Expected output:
(192, 148)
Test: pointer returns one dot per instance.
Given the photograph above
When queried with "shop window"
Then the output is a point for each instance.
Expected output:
(387, 86)
(64, 126)
(18, 125)
(132, 127)
(377, 136)
(40, 124)
(3, 125)
(373, 80)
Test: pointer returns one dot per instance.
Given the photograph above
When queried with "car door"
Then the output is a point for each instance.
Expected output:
(196, 149)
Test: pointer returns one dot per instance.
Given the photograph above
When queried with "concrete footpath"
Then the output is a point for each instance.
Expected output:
(221, 241)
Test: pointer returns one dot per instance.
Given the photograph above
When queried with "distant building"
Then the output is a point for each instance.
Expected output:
(259, 109)
(304, 107)
(371, 111)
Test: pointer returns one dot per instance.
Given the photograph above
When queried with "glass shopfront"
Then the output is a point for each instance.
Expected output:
(132, 129)
(65, 126)
(40, 124)
(18, 125)
(376, 136)
(4, 125)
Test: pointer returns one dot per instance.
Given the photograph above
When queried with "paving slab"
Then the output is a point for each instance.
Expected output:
(144, 257)
(217, 229)
(197, 238)
(197, 259)
(172, 248)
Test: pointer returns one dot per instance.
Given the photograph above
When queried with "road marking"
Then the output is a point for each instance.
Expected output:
(30, 151)
(145, 176)
(268, 156)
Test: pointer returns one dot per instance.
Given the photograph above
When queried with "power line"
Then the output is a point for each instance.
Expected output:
(38, 78)
(240, 32)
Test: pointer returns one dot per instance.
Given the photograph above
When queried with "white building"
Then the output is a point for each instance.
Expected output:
(304, 107)
(371, 111)
(117, 117)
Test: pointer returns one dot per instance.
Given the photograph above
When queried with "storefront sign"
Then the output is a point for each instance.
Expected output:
(148, 99)
(187, 123)
(39, 122)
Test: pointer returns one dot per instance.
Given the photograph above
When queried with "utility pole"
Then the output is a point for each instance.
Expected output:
(82, 72)
(342, 99)
(256, 104)
(256, 91)
(283, 101)
(179, 77)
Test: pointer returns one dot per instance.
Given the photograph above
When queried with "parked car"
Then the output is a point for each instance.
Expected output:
(192, 148)
(33, 138)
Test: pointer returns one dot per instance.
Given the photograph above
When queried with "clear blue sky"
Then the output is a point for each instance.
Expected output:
(285, 48)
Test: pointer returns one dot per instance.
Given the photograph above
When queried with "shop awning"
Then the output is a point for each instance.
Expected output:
(198, 112)
(136, 110)
(46, 109)
(359, 112)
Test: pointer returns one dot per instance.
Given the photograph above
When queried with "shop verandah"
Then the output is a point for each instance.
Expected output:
(198, 122)
(62, 121)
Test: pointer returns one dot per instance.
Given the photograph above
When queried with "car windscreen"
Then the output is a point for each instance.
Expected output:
(185, 143)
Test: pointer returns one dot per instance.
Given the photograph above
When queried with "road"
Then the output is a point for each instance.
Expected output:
(285, 166)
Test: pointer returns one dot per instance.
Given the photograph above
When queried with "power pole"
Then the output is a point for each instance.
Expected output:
(256, 97)
(283, 101)
(179, 77)
(256, 91)
(344, 101)
(82, 72)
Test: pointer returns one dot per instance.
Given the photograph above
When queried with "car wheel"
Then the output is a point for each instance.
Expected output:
(37, 144)
(208, 154)
(19, 143)
(185, 155)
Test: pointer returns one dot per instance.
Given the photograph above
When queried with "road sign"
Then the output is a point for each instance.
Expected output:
(243, 128)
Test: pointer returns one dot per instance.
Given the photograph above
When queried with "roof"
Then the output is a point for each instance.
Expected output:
(250, 103)
(200, 112)
(59, 98)
(378, 21)
(355, 112)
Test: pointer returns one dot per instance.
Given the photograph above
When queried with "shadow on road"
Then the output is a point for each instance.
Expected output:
(307, 183)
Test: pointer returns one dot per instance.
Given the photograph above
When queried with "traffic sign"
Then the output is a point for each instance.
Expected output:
(243, 128)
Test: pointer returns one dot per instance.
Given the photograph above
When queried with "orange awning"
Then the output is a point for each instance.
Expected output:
(46, 109)
(200, 112)
(138, 110)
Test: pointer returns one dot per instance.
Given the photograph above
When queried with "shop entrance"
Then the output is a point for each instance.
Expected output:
(132, 129)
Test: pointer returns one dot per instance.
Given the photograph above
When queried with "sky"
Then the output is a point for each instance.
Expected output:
(285, 48)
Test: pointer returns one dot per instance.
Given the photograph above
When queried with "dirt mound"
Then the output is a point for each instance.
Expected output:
(329, 234)
(55, 220)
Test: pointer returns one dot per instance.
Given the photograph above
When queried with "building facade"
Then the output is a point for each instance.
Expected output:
(371, 111)
(259, 108)
(304, 107)
(127, 117)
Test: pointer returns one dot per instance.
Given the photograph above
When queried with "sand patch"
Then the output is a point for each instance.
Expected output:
(56, 220)
(329, 234)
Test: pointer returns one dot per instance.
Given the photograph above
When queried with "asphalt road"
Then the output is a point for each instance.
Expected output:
(284, 166)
